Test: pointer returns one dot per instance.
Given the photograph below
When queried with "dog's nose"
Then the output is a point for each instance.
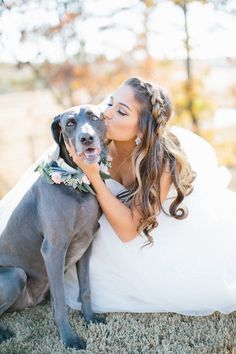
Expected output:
(86, 138)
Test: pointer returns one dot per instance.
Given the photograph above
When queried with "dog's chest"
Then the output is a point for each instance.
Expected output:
(76, 249)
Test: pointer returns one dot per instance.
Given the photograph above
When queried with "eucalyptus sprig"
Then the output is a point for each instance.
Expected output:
(54, 174)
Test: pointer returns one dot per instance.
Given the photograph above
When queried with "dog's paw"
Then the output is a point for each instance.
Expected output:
(96, 319)
(5, 334)
(75, 342)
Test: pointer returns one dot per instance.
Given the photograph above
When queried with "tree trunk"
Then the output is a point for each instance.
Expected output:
(189, 82)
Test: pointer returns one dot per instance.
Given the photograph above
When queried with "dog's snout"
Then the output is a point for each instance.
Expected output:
(86, 138)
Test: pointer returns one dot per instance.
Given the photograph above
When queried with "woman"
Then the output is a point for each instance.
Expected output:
(172, 194)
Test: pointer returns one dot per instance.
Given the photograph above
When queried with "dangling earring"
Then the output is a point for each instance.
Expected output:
(138, 140)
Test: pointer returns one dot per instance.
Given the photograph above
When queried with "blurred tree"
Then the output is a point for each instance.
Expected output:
(73, 79)
(141, 48)
(76, 77)
(63, 30)
(190, 102)
(189, 86)
(193, 87)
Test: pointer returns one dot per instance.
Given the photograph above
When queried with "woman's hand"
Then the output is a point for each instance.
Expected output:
(91, 170)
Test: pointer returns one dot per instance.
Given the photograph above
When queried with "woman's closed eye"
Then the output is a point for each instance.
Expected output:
(120, 111)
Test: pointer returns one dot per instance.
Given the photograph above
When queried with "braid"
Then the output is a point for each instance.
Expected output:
(155, 97)
(159, 105)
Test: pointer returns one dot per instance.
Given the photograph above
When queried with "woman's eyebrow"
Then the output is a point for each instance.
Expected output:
(123, 104)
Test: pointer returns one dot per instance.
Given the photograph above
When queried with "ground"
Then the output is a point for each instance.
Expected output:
(124, 333)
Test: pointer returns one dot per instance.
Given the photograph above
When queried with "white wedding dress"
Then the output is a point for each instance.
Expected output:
(191, 269)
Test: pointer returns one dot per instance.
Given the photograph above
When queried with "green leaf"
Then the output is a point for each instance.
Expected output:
(104, 175)
(82, 188)
(74, 184)
(48, 179)
(90, 189)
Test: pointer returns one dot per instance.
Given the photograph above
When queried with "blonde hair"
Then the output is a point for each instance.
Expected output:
(158, 147)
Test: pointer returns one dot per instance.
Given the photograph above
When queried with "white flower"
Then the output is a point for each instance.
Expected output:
(80, 180)
(104, 168)
(85, 179)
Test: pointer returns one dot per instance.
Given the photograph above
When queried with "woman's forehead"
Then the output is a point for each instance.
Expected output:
(124, 95)
(126, 92)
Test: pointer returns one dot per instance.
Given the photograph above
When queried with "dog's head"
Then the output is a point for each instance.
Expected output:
(84, 128)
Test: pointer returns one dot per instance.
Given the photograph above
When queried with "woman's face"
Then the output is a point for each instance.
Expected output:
(121, 115)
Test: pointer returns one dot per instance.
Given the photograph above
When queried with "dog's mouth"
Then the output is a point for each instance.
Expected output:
(91, 155)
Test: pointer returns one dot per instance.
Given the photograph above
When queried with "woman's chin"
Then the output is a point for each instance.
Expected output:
(108, 136)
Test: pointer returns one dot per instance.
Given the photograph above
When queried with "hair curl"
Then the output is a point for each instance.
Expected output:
(158, 147)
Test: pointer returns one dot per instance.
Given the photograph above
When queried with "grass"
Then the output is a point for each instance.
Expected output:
(124, 333)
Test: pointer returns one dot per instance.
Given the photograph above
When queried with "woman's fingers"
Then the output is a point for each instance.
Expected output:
(78, 159)
(67, 146)
(89, 169)
(73, 153)
(70, 148)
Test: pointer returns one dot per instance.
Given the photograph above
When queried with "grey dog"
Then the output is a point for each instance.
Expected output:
(52, 228)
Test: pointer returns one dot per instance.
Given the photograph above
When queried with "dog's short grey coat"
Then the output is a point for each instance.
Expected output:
(51, 229)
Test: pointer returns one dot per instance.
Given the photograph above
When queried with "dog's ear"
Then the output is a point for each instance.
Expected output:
(56, 129)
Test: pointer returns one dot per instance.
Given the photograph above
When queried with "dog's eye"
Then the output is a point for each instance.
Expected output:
(70, 123)
(94, 117)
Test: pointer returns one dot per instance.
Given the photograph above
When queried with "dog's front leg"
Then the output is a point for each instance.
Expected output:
(54, 257)
(82, 267)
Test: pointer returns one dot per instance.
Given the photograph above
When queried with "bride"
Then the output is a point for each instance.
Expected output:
(167, 243)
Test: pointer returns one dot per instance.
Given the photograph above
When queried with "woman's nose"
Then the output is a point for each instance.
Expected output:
(107, 113)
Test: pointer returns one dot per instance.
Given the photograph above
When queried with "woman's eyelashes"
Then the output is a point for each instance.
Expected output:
(120, 111)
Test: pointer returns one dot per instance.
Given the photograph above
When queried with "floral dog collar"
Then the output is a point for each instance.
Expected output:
(54, 174)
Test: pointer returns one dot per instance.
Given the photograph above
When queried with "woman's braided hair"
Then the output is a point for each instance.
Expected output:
(160, 103)
(159, 149)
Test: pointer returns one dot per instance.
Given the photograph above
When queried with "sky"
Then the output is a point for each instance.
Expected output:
(212, 32)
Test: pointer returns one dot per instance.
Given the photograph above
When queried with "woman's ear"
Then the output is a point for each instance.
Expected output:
(56, 129)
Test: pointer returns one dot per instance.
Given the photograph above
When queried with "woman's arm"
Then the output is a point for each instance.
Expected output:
(123, 221)
(118, 215)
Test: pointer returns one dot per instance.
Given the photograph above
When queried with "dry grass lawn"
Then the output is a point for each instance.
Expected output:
(124, 333)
